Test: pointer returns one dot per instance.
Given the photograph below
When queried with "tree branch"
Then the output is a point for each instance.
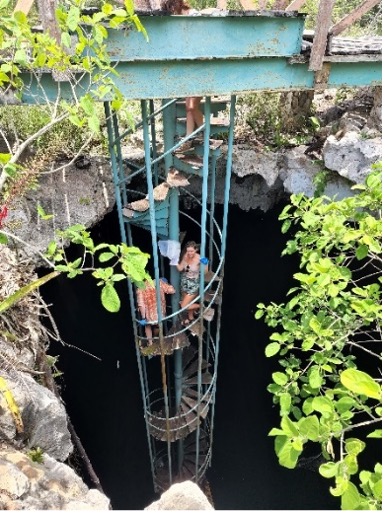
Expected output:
(28, 141)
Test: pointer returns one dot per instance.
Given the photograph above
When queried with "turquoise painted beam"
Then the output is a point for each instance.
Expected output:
(212, 55)
(353, 74)
(141, 80)
(208, 37)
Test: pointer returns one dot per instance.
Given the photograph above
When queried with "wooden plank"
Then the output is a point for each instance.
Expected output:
(295, 5)
(354, 58)
(324, 17)
(23, 6)
(351, 18)
(47, 16)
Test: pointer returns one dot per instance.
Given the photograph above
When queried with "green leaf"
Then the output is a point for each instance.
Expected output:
(362, 252)
(285, 403)
(286, 225)
(350, 499)
(94, 124)
(24, 291)
(354, 446)
(280, 378)
(289, 427)
(287, 454)
(259, 314)
(344, 404)
(272, 349)
(3, 239)
(329, 469)
(377, 433)
(275, 432)
(4, 157)
(309, 427)
(73, 18)
(315, 378)
(324, 405)
(360, 383)
(110, 298)
(104, 257)
(66, 40)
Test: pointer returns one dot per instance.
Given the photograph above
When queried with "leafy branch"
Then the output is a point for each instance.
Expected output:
(321, 391)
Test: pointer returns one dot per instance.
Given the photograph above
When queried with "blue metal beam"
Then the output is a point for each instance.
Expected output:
(141, 80)
(205, 56)
(208, 37)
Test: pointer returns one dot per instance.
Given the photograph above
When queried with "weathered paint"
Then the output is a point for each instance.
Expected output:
(176, 79)
(205, 56)
(354, 74)
(190, 37)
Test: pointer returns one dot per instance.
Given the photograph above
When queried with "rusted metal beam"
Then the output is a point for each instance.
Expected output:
(352, 17)
(23, 6)
(295, 5)
(323, 22)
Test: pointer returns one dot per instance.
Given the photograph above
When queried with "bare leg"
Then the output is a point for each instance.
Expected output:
(186, 299)
(198, 116)
(148, 332)
(194, 116)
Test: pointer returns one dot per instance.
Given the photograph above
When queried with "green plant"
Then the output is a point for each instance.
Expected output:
(125, 262)
(26, 50)
(36, 454)
(320, 181)
(327, 392)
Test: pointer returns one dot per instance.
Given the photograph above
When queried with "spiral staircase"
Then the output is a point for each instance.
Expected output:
(179, 421)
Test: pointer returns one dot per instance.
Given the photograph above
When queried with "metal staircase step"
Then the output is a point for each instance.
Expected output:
(194, 366)
(190, 417)
(188, 469)
(177, 179)
(191, 458)
(188, 164)
(208, 314)
(206, 379)
(187, 355)
(196, 329)
(202, 408)
(209, 275)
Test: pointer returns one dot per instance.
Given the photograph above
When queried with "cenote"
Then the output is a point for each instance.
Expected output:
(102, 395)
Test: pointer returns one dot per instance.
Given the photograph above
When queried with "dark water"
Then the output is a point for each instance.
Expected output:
(105, 404)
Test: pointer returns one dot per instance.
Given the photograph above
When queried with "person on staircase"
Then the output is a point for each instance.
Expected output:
(189, 266)
(194, 115)
(147, 305)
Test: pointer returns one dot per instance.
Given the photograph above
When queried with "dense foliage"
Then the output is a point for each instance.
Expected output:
(328, 340)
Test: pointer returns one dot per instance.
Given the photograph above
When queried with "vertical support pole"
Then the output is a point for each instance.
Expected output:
(169, 115)
(228, 175)
(119, 159)
(147, 157)
(127, 239)
(153, 142)
(205, 174)
(223, 250)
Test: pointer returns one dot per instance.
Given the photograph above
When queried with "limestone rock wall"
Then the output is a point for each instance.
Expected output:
(47, 485)
(40, 423)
